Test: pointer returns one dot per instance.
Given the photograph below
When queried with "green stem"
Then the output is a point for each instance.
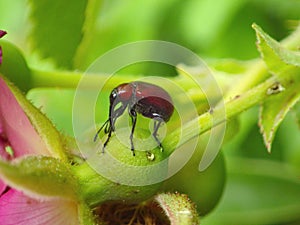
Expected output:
(67, 79)
(216, 116)
(254, 75)
(64, 79)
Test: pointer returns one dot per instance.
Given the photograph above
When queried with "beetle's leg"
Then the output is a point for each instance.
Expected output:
(155, 130)
(114, 114)
(112, 120)
(109, 125)
(133, 116)
(107, 140)
(104, 125)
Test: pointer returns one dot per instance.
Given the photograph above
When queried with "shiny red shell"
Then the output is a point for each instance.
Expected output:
(148, 99)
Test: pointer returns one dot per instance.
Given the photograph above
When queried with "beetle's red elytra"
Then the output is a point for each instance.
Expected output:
(143, 98)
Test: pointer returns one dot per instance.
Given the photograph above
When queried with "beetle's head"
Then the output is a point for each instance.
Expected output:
(116, 108)
(113, 98)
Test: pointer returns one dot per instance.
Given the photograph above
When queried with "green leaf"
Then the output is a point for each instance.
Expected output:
(91, 13)
(41, 176)
(274, 54)
(273, 111)
(57, 29)
(14, 66)
(284, 93)
(178, 208)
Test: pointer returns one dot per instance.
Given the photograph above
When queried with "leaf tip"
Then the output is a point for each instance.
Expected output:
(267, 141)
(268, 146)
(254, 26)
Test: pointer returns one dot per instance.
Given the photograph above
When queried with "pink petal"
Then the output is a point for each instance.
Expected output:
(16, 208)
(0, 55)
(16, 127)
(3, 144)
(2, 187)
(2, 33)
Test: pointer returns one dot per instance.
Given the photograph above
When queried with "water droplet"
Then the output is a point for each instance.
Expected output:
(150, 156)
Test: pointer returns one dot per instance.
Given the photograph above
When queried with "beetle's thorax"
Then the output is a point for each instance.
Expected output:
(125, 92)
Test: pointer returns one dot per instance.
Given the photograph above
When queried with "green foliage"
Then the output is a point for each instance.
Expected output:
(284, 93)
(57, 29)
(15, 66)
(91, 15)
(274, 110)
(275, 56)
(74, 34)
(42, 176)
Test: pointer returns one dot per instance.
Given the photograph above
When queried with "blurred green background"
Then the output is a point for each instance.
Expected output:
(217, 29)
(261, 188)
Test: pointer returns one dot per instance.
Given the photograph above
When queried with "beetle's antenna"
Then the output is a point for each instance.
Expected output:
(97, 134)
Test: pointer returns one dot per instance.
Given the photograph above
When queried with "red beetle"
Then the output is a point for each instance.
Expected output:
(147, 99)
